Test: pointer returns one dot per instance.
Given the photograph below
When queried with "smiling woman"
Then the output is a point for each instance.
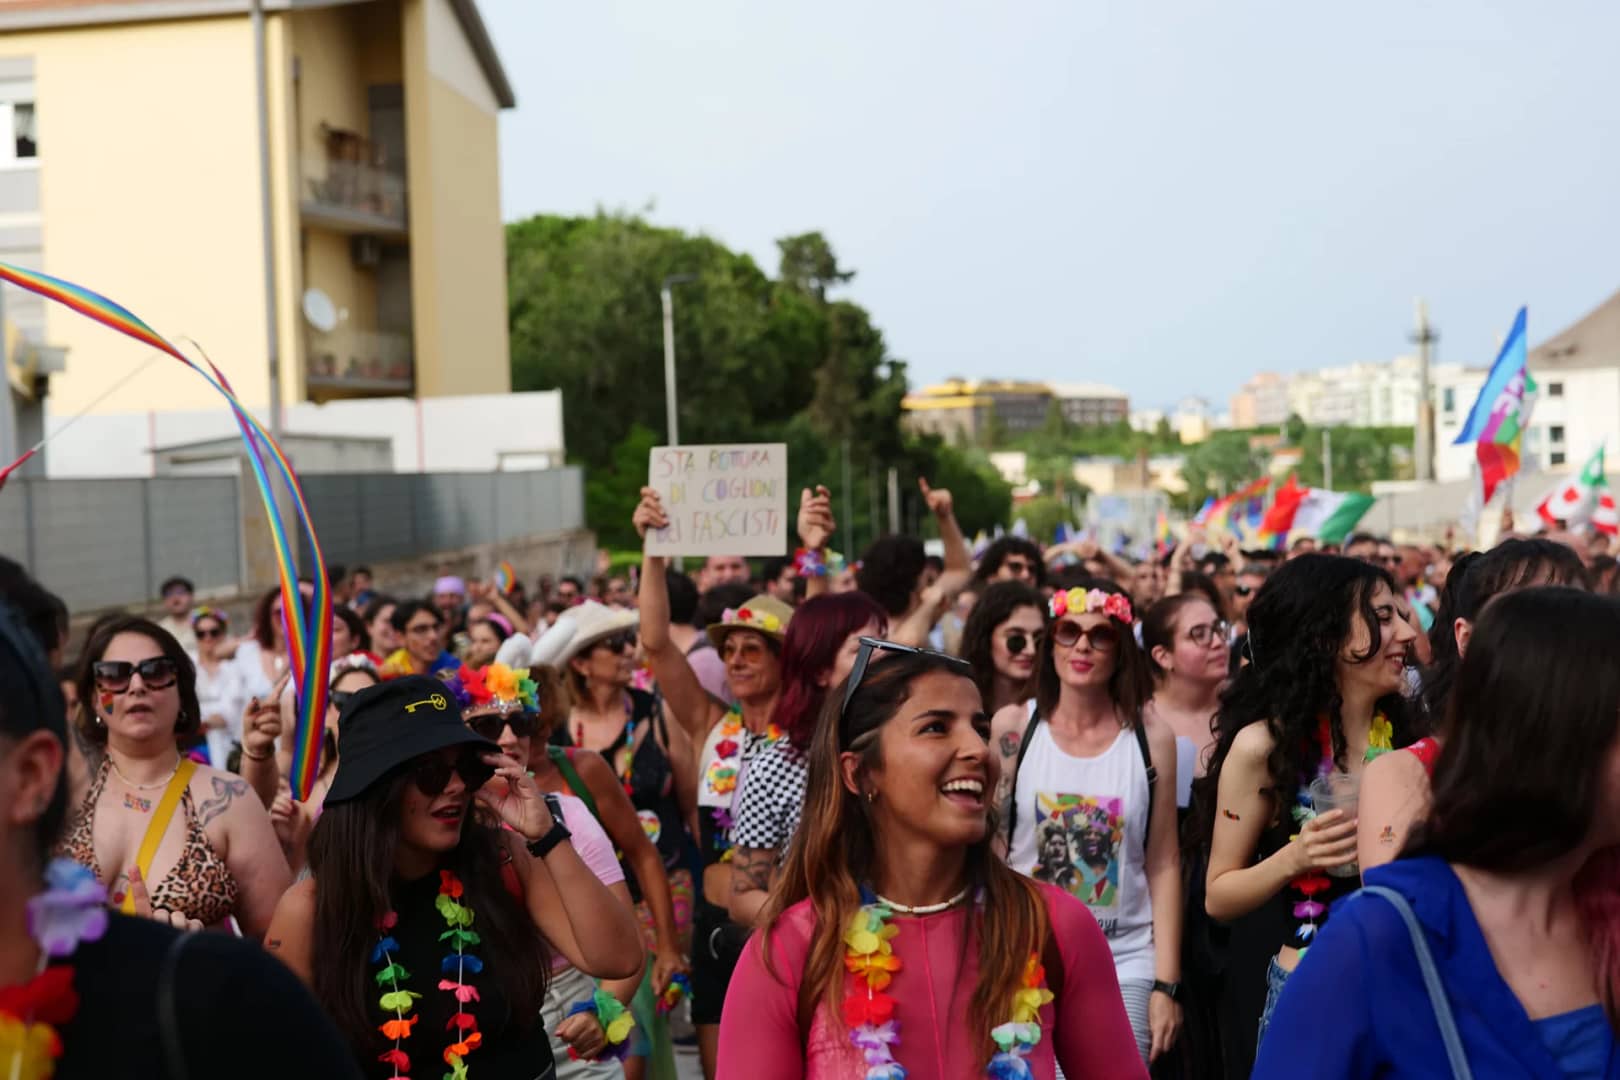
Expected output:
(896, 850)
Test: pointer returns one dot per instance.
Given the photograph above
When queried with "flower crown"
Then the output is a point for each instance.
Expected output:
(763, 620)
(1079, 601)
(355, 661)
(203, 611)
(496, 687)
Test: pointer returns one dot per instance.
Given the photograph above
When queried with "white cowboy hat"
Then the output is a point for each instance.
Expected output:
(578, 629)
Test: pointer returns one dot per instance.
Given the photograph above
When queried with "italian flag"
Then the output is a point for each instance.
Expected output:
(1573, 501)
(1330, 515)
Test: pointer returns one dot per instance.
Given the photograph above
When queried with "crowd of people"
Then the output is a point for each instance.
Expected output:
(1019, 812)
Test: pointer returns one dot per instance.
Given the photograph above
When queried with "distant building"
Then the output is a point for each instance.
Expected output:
(1091, 404)
(1261, 402)
(1192, 422)
(1018, 406)
(964, 409)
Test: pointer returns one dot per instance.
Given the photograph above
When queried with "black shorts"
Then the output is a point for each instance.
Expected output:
(717, 943)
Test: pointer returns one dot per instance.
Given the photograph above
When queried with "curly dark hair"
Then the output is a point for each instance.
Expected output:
(1299, 625)
(997, 553)
(996, 605)
(890, 570)
(1474, 580)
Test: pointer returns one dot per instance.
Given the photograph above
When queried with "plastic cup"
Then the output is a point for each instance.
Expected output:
(1338, 791)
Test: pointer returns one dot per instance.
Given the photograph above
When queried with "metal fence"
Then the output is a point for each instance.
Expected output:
(103, 543)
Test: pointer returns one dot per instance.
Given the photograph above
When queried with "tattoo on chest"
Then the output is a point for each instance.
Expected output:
(136, 802)
(226, 791)
(1009, 744)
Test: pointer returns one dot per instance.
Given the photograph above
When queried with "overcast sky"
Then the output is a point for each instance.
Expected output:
(1165, 196)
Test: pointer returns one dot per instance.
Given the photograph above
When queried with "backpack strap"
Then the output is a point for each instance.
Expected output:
(1012, 792)
(563, 758)
(1431, 981)
(1152, 773)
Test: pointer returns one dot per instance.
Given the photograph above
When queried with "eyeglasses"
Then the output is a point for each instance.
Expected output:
(618, 642)
(523, 724)
(422, 629)
(1018, 642)
(1103, 636)
(157, 673)
(1206, 634)
(432, 775)
(209, 635)
(871, 646)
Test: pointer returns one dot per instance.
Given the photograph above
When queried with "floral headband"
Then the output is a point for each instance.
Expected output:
(496, 687)
(206, 612)
(355, 661)
(1081, 601)
(761, 620)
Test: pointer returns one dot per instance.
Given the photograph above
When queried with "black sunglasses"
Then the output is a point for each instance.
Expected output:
(619, 642)
(432, 775)
(870, 647)
(209, 635)
(339, 699)
(1103, 637)
(1017, 643)
(158, 673)
(489, 725)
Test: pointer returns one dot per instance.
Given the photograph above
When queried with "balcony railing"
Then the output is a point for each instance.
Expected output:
(354, 183)
(361, 361)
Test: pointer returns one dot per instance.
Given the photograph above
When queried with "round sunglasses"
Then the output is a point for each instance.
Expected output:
(157, 673)
(1103, 637)
(1018, 641)
(432, 774)
(524, 725)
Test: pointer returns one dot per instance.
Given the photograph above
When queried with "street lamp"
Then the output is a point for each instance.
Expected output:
(669, 353)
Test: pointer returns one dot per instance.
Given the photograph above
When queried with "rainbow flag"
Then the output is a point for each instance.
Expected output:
(1502, 411)
(1161, 531)
(309, 641)
(1220, 515)
(1278, 520)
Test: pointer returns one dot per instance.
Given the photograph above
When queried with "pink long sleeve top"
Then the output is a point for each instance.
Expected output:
(1085, 1029)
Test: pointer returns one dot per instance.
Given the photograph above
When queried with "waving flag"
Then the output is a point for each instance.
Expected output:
(1330, 515)
(1573, 501)
(1279, 520)
(1501, 413)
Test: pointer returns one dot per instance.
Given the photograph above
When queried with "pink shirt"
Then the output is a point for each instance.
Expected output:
(1085, 1028)
(590, 840)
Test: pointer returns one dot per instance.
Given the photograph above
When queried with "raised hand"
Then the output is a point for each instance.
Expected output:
(816, 524)
(649, 513)
(514, 796)
(261, 723)
(938, 499)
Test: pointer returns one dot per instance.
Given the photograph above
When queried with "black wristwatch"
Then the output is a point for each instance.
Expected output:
(1169, 990)
(559, 831)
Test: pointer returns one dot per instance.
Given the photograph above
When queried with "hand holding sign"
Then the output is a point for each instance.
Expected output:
(649, 513)
(716, 500)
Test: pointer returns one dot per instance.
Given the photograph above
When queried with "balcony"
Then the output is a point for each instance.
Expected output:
(352, 188)
(359, 362)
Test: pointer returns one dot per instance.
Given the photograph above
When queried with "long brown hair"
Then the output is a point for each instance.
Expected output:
(836, 850)
(1131, 684)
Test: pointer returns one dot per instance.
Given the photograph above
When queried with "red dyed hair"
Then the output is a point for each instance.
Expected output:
(810, 648)
(1597, 894)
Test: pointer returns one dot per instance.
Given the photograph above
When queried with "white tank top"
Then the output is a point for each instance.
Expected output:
(1082, 826)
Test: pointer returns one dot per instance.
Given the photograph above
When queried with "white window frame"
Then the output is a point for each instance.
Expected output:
(8, 138)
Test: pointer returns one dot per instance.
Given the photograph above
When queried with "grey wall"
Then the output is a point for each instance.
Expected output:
(107, 543)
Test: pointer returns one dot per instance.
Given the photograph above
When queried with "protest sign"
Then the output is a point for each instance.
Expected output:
(721, 500)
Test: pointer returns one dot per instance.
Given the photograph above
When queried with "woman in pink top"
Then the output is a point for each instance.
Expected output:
(895, 938)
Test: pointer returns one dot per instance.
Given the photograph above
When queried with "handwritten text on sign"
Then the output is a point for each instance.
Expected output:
(721, 500)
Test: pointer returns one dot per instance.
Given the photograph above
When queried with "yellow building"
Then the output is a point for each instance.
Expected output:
(130, 162)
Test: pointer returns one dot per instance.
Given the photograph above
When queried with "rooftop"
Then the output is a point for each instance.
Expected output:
(1087, 390)
(1592, 342)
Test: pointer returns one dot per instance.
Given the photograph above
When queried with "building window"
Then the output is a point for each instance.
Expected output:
(17, 122)
(1555, 389)
(1555, 433)
(1448, 399)
(1555, 458)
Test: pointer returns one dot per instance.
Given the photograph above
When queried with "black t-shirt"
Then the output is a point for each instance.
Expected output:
(235, 1011)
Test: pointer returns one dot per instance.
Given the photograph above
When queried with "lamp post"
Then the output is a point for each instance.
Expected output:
(670, 411)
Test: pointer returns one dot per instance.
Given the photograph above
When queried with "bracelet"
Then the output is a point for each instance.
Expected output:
(679, 986)
(256, 757)
(616, 1021)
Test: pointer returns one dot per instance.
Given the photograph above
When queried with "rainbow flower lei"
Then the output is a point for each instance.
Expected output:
(869, 1012)
(460, 963)
(72, 909)
(616, 1021)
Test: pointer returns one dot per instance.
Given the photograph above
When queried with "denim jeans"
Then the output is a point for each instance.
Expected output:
(1275, 978)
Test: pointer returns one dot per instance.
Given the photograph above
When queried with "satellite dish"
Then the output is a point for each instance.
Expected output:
(320, 311)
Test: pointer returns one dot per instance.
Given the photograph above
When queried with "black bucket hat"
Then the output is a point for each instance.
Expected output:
(385, 726)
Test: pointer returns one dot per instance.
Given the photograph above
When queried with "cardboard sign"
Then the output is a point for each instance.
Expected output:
(721, 500)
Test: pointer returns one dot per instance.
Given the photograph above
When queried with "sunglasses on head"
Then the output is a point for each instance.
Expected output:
(1018, 642)
(157, 673)
(432, 774)
(870, 647)
(619, 642)
(523, 724)
(1103, 636)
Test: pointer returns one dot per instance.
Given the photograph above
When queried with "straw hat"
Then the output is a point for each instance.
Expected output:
(763, 614)
(578, 629)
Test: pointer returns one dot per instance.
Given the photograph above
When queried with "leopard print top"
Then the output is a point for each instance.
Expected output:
(200, 885)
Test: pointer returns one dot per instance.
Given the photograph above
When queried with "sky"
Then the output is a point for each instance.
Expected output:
(1167, 197)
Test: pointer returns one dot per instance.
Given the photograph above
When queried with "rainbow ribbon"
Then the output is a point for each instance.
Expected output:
(309, 646)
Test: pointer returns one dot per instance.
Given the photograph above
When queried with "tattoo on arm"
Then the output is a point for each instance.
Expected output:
(751, 870)
(225, 792)
(1009, 744)
(272, 944)
(1228, 815)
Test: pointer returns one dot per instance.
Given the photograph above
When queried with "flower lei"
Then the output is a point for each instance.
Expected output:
(1380, 741)
(869, 956)
(71, 910)
(460, 963)
(616, 1022)
(720, 778)
(1078, 601)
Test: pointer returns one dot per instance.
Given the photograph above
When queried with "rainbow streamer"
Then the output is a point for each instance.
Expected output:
(505, 578)
(309, 646)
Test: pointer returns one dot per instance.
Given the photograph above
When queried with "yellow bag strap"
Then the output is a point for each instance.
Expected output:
(157, 827)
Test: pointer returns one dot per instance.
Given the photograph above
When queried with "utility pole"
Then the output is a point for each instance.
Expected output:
(267, 232)
(1424, 338)
(671, 414)
(894, 500)
(1327, 459)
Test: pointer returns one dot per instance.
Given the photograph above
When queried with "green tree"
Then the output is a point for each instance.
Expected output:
(1221, 464)
(1043, 515)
